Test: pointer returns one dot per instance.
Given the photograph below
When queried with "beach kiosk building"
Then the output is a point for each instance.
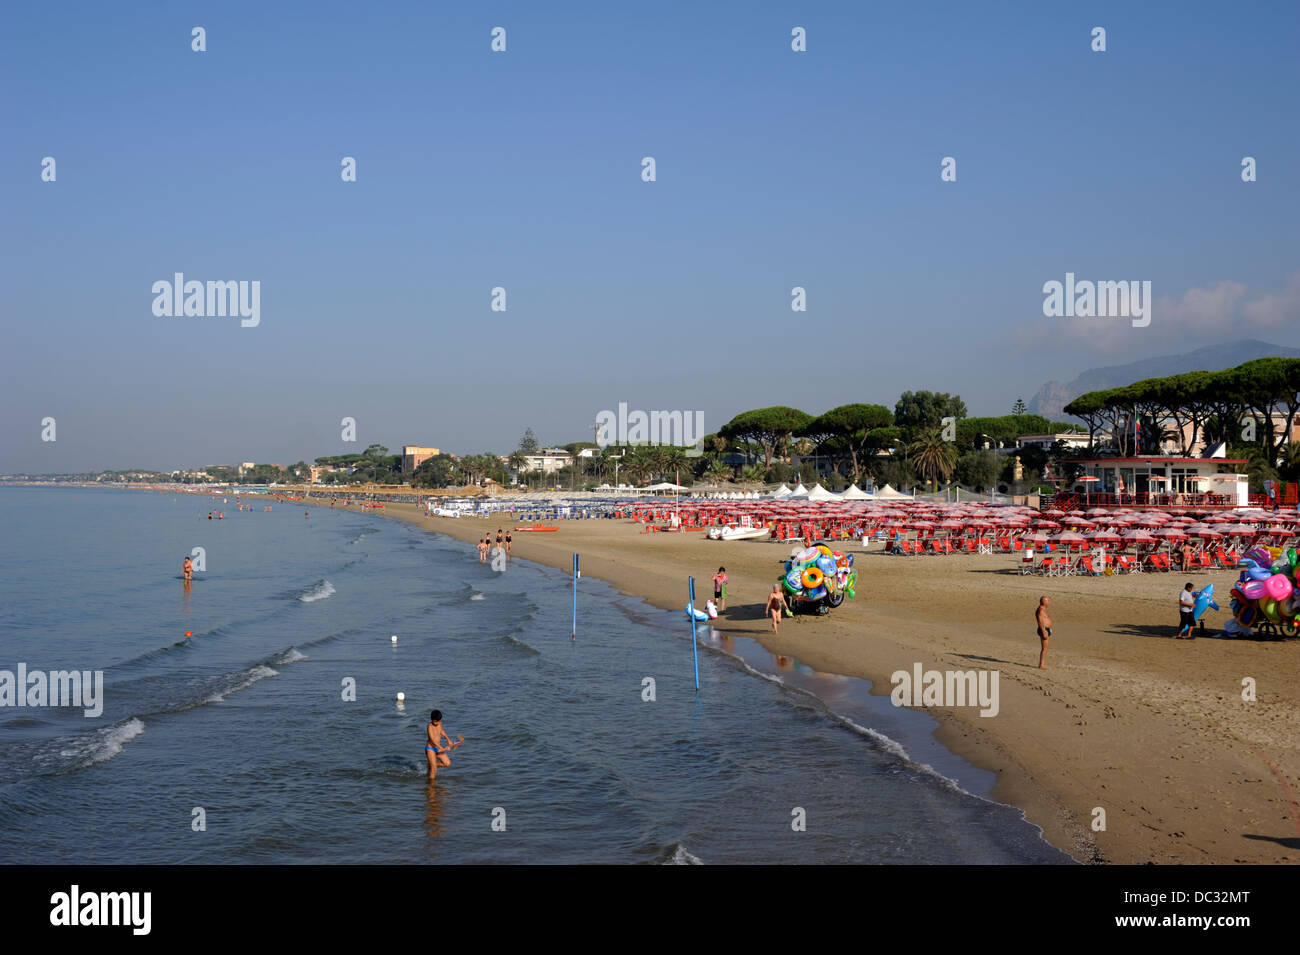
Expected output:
(1160, 482)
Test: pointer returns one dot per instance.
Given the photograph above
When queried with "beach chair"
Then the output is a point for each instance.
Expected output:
(1048, 567)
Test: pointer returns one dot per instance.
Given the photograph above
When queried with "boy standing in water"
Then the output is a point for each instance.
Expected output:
(720, 589)
(433, 748)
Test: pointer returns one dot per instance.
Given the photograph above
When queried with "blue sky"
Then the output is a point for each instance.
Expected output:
(522, 169)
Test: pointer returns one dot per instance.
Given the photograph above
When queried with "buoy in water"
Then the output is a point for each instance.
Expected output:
(394, 638)
(400, 696)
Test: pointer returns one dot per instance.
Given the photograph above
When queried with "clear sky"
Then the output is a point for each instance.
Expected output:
(522, 169)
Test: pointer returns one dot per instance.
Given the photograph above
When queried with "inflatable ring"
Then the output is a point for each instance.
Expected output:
(842, 562)
(793, 581)
(823, 549)
(1248, 614)
(807, 555)
(812, 578)
(1268, 607)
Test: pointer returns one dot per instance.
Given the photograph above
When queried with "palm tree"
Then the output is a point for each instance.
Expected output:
(718, 470)
(933, 457)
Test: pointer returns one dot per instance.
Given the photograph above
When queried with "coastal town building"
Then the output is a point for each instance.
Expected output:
(547, 460)
(1069, 439)
(1161, 481)
(413, 455)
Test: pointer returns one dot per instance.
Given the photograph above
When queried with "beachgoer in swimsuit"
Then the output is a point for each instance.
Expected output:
(1044, 630)
(508, 557)
(187, 569)
(433, 748)
(483, 551)
(720, 589)
(775, 604)
(500, 539)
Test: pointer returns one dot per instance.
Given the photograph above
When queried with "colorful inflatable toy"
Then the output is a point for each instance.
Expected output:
(818, 578)
(1266, 590)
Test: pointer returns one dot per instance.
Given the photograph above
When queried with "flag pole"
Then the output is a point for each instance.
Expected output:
(695, 646)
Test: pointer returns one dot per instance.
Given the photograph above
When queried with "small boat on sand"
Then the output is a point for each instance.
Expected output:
(535, 527)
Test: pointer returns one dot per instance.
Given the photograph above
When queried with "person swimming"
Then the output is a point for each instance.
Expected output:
(433, 748)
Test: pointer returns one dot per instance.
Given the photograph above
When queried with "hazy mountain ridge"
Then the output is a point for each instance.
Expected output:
(1051, 399)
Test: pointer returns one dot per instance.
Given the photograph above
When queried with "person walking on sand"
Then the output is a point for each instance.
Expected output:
(434, 750)
(1044, 630)
(775, 604)
(720, 589)
(1186, 608)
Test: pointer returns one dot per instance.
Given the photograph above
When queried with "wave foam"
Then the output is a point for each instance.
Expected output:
(321, 590)
(104, 743)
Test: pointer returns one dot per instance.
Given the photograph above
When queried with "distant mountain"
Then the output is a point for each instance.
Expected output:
(1052, 398)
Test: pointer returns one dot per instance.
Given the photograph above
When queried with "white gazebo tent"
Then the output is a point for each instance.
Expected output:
(819, 493)
(887, 493)
(800, 491)
(855, 493)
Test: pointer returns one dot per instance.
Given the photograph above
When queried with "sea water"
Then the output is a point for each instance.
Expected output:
(242, 742)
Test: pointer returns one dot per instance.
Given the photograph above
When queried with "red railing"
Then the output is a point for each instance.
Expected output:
(1070, 501)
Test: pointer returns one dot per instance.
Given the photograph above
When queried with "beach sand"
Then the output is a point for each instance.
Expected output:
(1153, 731)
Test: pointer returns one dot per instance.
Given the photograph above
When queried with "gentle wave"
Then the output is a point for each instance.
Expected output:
(678, 855)
(320, 591)
(512, 640)
(102, 744)
(885, 743)
(250, 676)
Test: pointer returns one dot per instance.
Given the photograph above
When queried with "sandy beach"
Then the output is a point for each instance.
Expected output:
(1153, 731)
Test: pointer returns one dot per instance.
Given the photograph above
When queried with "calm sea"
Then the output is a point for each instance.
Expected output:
(243, 725)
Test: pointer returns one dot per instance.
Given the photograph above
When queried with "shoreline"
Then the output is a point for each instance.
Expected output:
(1150, 731)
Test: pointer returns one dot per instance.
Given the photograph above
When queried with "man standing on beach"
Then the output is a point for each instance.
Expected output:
(1044, 630)
(1186, 607)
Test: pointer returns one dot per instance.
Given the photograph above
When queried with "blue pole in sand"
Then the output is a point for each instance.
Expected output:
(695, 645)
(575, 596)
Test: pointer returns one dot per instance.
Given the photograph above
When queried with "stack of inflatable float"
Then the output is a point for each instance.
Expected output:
(1266, 591)
(818, 573)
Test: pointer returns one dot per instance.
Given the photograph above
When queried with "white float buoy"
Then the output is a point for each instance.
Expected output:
(400, 696)
(394, 638)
